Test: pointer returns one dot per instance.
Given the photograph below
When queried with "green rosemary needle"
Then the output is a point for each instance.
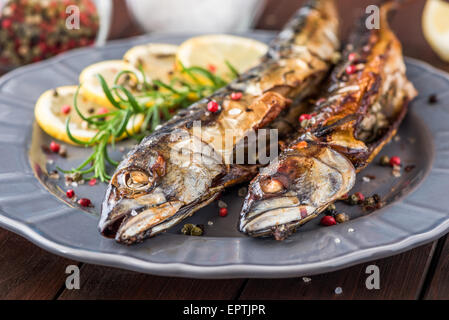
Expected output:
(155, 101)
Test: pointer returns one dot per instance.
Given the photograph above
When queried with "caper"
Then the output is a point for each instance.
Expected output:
(196, 231)
(187, 228)
(192, 230)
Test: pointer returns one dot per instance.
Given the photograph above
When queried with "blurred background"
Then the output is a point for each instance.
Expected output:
(32, 30)
(273, 14)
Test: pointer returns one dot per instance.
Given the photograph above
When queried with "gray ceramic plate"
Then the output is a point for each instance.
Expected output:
(417, 209)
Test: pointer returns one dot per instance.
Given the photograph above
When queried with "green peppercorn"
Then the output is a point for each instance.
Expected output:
(370, 201)
(385, 161)
(331, 209)
(353, 200)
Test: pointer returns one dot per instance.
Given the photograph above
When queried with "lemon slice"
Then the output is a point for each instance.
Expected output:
(54, 106)
(156, 59)
(212, 51)
(91, 87)
(435, 23)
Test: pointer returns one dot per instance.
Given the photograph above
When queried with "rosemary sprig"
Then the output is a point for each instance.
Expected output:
(155, 101)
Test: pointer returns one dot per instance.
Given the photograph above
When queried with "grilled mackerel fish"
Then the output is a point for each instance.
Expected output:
(359, 112)
(180, 168)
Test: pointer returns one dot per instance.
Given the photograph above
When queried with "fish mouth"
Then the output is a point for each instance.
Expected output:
(131, 220)
(295, 189)
(277, 217)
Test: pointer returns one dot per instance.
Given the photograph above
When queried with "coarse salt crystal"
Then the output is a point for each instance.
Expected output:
(234, 112)
(306, 279)
(222, 204)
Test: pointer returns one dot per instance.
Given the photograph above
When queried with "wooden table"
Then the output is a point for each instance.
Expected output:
(28, 272)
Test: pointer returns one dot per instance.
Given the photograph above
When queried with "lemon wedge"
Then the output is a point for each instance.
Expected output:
(435, 24)
(213, 51)
(156, 59)
(91, 87)
(54, 106)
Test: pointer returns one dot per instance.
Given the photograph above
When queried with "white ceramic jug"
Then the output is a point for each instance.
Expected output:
(205, 16)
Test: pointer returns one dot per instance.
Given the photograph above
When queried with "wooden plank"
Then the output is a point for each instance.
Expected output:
(438, 287)
(109, 283)
(28, 272)
(177, 288)
(401, 277)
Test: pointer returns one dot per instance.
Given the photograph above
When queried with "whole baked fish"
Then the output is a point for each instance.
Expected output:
(360, 111)
(182, 167)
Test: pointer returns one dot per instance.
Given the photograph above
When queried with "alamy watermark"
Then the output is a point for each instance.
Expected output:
(373, 19)
(73, 280)
(373, 280)
(204, 144)
(72, 21)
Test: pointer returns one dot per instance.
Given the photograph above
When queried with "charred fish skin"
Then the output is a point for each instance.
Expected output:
(178, 169)
(362, 111)
(294, 189)
(357, 115)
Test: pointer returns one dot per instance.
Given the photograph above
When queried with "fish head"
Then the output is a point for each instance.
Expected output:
(294, 188)
(158, 183)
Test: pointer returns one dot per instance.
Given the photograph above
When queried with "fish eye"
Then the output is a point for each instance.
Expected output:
(136, 180)
(271, 185)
